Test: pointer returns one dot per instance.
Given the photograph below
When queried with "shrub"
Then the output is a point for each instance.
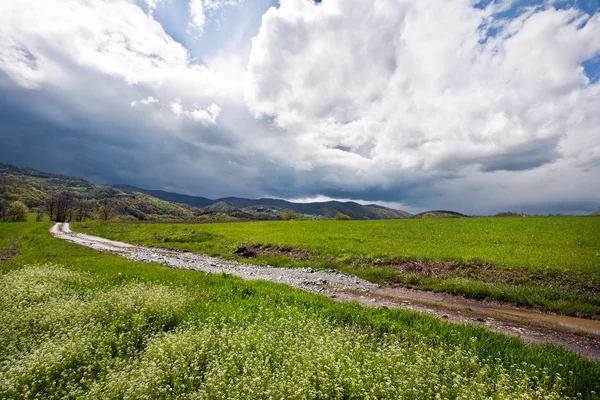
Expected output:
(507, 214)
(289, 214)
(17, 212)
(342, 217)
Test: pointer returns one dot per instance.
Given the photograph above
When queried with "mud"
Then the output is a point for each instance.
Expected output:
(260, 250)
(10, 252)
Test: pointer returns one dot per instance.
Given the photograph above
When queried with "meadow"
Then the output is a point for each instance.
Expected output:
(549, 263)
(81, 324)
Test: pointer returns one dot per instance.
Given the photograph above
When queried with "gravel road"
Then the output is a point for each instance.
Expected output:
(306, 279)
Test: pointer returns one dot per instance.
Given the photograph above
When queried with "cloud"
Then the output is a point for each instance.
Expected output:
(419, 84)
(152, 4)
(425, 104)
(200, 10)
(148, 100)
(206, 116)
(198, 19)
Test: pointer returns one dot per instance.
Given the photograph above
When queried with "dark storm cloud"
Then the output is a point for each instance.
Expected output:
(524, 156)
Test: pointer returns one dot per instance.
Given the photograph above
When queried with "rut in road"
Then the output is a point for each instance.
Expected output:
(531, 326)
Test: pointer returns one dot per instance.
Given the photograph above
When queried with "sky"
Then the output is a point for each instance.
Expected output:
(466, 105)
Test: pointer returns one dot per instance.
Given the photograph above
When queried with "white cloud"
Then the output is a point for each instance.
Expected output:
(200, 10)
(108, 37)
(416, 86)
(206, 116)
(152, 4)
(149, 100)
(215, 5)
(176, 107)
(197, 17)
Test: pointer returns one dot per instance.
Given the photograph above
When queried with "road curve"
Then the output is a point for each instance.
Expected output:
(306, 279)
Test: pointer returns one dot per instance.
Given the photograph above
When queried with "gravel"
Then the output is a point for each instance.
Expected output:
(307, 279)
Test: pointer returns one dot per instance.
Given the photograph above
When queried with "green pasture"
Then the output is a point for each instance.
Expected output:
(551, 263)
(77, 323)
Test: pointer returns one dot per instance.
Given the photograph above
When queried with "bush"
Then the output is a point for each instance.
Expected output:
(17, 212)
(289, 214)
(507, 214)
(342, 217)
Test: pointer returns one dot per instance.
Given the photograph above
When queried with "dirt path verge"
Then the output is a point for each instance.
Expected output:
(577, 334)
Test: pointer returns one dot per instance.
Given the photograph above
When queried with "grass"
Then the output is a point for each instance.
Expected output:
(81, 324)
(550, 263)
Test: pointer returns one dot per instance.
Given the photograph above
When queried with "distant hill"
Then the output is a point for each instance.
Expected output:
(193, 201)
(274, 207)
(33, 187)
(440, 214)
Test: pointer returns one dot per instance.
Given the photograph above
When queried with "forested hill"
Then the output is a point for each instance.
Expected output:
(275, 207)
(34, 187)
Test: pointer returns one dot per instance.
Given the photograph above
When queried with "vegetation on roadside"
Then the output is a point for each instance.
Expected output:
(84, 324)
(550, 263)
(15, 212)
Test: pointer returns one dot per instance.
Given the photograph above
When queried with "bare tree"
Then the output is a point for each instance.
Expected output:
(63, 207)
(59, 206)
(107, 212)
(82, 209)
(50, 206)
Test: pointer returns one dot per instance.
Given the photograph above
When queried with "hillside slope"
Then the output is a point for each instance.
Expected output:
(34, 187)
(274, 207)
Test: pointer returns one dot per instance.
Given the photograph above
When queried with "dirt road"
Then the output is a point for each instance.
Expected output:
(578, 334)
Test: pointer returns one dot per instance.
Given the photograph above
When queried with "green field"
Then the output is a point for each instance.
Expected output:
(81, 324)
(550, 263)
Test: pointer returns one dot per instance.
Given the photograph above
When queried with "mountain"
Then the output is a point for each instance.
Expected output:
(34, 187)
(193, 201)
(274, 207)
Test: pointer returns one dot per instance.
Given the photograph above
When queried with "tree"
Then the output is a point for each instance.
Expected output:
(50, 207)
(289, 214)
(82, 209)
(3, 210)
(17, 212)
(40, 216)
(107, 212)
(64, 203)
(59, 206)
(342, 217)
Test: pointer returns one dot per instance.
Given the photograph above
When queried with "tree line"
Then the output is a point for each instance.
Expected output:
(60, 207)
